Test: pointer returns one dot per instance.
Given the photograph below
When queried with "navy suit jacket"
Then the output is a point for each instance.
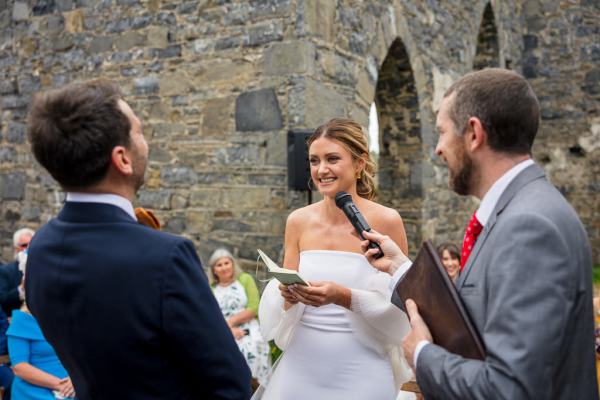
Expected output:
(10, 279)
(129, 310)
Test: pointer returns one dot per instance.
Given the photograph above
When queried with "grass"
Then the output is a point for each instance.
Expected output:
(596, 274)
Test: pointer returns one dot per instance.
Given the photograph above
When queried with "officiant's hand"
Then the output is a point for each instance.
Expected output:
(320, 293)
(392, 258)
(418, 332)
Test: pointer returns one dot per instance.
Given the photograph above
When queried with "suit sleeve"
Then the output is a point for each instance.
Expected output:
(9, 296)
(196, 333)
(528, 294)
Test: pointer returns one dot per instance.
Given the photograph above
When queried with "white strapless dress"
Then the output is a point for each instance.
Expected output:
(324, 359)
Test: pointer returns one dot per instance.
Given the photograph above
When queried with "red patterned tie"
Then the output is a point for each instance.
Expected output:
(473, 230)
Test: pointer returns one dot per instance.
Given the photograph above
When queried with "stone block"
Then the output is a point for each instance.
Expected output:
(198, 221)
(277, 149)
(318, 18)
(74, 21)
(119, 25)
(7, 154)
(64, 5)
(160, 155)
(141, 21)
(231, 225)
(258, 111)
(188, 7)
(127, 3)
(265, 33)
(146, 85)
(592, 82)
(174, 84)
(169, 52)
(239, 154)
(20, 12)
(217, 116)
(267, 180)
(311, 104)
(12, 186)
(177, 175)
(159, 199)
(167, 19)
(5, 19)
(339, 69)
(228, 42)
(86, 3)
(43, 7)
(16, 132)
(130, 39)
(175, 225)
(158, 36)
(14, 102)
(7, 86)
(216, 72)
(293, 57)
(206, 197)
(64, 41)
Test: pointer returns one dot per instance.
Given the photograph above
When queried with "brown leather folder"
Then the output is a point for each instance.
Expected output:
(440, 306)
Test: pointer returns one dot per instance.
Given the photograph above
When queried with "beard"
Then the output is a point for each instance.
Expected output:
(139, 171)
(461, 178)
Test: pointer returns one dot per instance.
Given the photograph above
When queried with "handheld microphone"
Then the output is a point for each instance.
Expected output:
(344, 201)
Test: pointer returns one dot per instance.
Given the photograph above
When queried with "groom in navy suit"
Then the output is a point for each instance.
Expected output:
(128, 309)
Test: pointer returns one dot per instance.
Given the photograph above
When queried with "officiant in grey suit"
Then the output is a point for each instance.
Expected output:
(526, 262)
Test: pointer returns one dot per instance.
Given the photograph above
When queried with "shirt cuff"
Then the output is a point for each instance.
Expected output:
(418, 349)
(398, 274)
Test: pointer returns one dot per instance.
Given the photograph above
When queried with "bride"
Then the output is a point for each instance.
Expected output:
(341, 336)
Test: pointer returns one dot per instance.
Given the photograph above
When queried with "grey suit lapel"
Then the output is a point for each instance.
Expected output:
(529, 174)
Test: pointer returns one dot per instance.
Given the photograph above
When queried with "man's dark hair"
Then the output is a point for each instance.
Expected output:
(505, 104)
(73, 129)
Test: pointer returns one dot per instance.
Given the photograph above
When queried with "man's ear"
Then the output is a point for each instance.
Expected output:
(475, 135)
(120, 159)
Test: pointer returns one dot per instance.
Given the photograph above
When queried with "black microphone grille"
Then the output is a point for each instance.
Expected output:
(342, 198)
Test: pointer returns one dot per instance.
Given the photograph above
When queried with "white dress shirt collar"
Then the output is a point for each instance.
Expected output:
(490, 199)
(105, 198)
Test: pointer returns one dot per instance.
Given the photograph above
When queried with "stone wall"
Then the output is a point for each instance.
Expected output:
(218, 83)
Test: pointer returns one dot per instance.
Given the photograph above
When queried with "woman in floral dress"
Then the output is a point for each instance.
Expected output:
(238, 298)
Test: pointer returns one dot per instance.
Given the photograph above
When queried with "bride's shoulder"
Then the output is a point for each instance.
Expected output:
(302, 215)
(382, 217)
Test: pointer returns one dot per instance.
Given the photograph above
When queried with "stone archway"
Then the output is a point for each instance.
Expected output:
(487, 53)
(401, 147)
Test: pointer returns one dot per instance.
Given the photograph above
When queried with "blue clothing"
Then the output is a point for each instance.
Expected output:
(26, 343)
(129, 310)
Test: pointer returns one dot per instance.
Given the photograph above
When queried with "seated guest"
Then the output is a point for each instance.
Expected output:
(6, 374)
(238, 298)
(11, 290)
(39, 373)
(450, 257)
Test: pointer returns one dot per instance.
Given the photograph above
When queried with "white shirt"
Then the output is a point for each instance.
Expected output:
(483, 213)
(105, 198)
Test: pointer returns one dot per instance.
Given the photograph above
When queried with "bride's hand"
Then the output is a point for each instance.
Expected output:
(322, 293)
(288, 296)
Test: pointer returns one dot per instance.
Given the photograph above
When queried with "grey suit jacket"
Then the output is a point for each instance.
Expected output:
(527, 287)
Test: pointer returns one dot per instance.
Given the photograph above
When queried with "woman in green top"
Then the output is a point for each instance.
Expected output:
(238, 297)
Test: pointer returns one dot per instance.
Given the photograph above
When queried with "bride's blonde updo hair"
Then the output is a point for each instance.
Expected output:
(354, 139)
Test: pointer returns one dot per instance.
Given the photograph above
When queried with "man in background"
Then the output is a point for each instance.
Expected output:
(12, 292)
(127, 308)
